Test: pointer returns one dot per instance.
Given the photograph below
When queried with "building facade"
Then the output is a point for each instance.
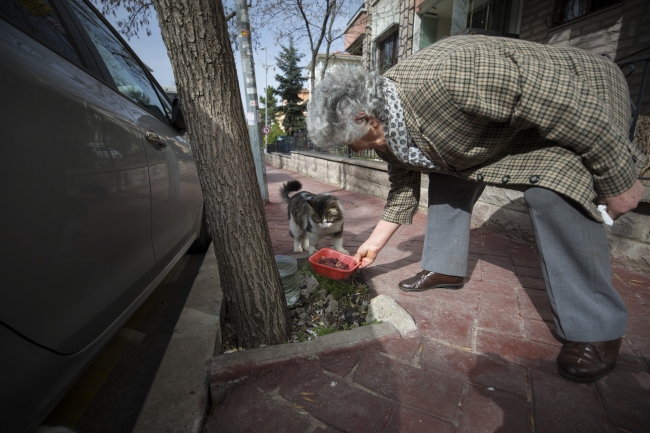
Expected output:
(385, 31)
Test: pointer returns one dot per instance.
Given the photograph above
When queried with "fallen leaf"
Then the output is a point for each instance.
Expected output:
(295, 406)
(308, 393)
(309, 399)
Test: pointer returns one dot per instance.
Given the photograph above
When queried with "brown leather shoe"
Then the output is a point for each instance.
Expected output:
(588, 362)
(426, 280)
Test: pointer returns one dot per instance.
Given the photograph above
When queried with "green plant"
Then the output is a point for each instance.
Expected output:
(324, 330)
(302, 337)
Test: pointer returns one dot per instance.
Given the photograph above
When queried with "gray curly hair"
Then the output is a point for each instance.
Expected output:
(341, 95)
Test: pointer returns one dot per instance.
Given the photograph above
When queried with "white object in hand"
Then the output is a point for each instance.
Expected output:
(602, 208)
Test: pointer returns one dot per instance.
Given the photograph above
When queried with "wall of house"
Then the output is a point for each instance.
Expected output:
(621, 31)
(355, 31)
(499, 209)
(385, 13)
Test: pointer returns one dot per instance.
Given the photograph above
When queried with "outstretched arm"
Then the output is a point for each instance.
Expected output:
(367, 252)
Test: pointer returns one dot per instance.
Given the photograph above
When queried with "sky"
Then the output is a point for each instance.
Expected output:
(151, 50)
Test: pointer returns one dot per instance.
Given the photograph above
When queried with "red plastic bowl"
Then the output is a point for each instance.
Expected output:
(329, 272)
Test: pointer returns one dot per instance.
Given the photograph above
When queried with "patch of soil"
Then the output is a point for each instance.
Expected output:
(325, 306)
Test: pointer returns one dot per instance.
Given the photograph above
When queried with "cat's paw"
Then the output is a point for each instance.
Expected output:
(343, 250)
(312, 251)
(297, 249)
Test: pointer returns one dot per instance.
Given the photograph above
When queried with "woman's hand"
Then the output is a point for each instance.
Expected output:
(367, 252)
(621, 204)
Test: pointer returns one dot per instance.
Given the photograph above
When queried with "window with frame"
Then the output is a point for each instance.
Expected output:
(498, 17)
(38, 19)
(129, 76)
(568, 10)
(388, 52)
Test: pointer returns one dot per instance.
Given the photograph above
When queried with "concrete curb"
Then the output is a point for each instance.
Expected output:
(178, 398)
(232, 366)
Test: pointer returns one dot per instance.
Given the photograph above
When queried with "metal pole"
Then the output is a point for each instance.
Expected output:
(266, 93)
(252, 114)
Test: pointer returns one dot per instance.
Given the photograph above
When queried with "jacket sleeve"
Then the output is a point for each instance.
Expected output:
(587, 112)
(404, 194)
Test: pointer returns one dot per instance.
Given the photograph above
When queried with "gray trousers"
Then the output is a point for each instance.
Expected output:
(572, 247)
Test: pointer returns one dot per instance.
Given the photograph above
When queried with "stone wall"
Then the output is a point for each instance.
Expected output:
(499, 209)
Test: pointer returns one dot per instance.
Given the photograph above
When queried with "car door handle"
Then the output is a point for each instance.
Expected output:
(154, 138)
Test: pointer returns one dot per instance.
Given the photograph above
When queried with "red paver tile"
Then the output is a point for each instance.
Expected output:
(490, 289)
(523, 271)
(338, 404)
(340, 364)
(246, 409)
(426, 390)
(530, 260)
(405, 420)
(498, 274)
(518, 350)
(450, 324)
(541, 331)
(626, 396)
(641, 347)
(402, 348)
(535, 305)
(474, 368)
(531, 283)
(500, 313)
(502, 262)
(494, 411)
(636, 281)
(327, 430)
(637, 329)
(488, 251)
(565, 406)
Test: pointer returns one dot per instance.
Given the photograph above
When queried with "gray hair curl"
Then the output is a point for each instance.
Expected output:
(341, 95)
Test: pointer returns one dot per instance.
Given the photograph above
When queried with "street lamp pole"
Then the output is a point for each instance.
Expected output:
(266, 95)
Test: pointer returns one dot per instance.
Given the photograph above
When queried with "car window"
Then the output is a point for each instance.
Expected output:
(38, 19)
(165, 103)
(130, 78)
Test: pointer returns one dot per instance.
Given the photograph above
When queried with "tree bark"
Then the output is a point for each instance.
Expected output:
(196, 36)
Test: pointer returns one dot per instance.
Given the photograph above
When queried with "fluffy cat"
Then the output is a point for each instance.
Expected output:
(312, 217)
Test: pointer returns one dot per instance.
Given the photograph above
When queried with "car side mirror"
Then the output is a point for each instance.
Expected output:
(178, 121)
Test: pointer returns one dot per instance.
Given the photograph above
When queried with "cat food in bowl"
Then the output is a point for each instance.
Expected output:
(332, 264)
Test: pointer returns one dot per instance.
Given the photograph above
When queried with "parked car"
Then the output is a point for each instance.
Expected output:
(100, 197)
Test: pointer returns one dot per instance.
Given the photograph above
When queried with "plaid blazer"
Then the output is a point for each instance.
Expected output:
(514, 113)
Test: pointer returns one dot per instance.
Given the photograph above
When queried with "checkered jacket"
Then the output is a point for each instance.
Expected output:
(514, 113)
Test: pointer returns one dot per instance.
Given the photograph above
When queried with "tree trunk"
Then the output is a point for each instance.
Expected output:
(196, 37)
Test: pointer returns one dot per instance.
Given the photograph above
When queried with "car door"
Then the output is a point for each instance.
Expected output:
(176, 199)
(76, 221)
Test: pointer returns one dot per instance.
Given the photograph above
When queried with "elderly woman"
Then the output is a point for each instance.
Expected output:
(476, 110)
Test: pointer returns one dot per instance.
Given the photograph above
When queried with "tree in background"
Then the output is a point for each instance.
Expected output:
(289, 87)
(276, 131)
(197, 41)
(272, 105)
(321, 22)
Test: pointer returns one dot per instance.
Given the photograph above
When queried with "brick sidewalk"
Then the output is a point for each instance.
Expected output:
(482, 360)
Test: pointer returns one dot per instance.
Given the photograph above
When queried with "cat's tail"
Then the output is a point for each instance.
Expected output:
(291, 186)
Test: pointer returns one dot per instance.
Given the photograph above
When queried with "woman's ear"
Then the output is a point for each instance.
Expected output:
(361, 117)
(373, 121)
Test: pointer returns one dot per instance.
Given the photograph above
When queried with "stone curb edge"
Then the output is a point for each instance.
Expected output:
(179, 395)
